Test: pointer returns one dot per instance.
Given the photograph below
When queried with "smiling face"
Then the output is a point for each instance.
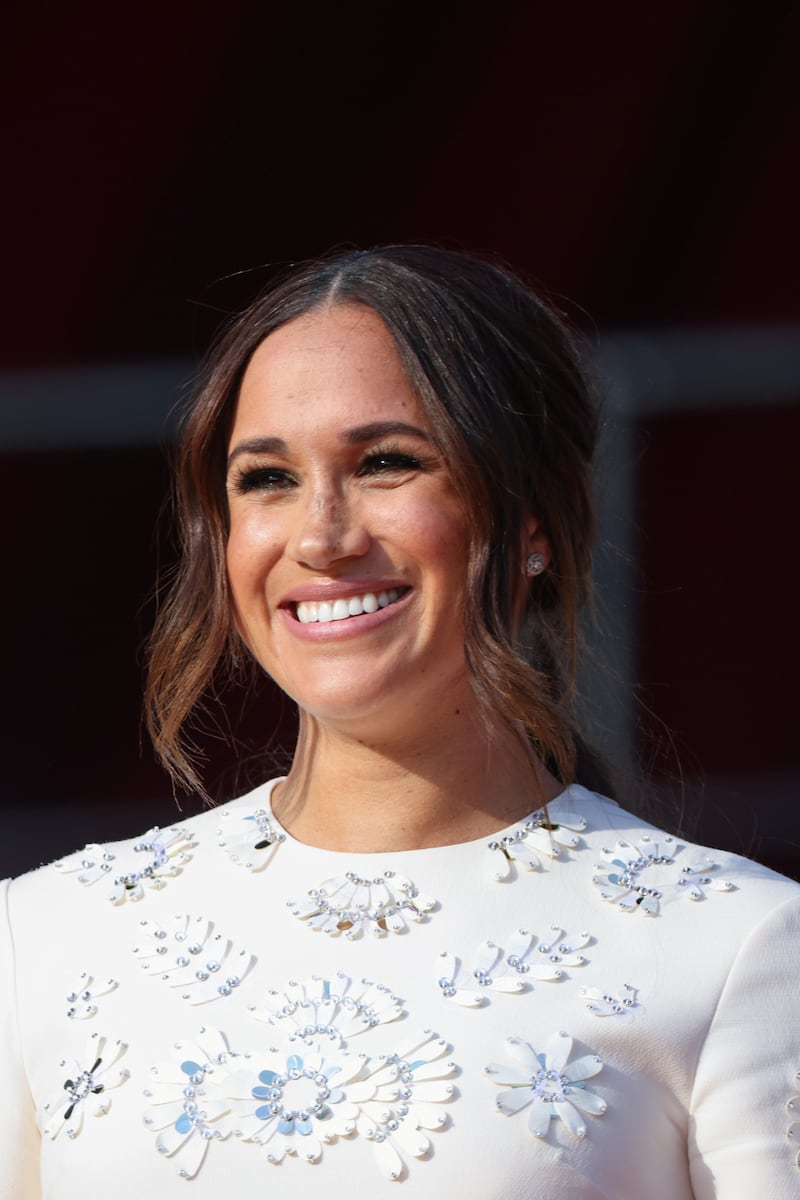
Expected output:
(347, 548)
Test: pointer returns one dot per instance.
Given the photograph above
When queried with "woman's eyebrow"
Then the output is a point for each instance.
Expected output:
(380, 429)
(351, 437)
(262, 445)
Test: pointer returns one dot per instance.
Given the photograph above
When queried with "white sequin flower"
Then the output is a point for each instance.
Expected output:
(334, 1009)
(389, 1101)
(161, 853)
(545, 958)
(82, 1000)
(453, 980)
(296, 1102)
(304, 1093)
(86, 1088)
(408, 1090)
(621, 877)
(604, 1004)
(190, 1100)
(511, 971)
(193, 956)
(249, 837)
(536, 834)
(694, 877)
(350, 904)
(552, 1086)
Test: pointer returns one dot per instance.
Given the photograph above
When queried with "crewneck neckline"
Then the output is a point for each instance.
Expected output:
(562, 803)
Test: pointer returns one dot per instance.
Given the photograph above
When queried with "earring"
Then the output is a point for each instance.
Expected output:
(534, 564)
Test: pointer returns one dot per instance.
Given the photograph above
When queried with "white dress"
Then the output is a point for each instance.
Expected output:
(588, 1011)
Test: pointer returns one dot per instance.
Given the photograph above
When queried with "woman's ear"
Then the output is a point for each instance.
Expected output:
(537, 554)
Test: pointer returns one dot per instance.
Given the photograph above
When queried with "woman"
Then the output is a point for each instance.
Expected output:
(429, 955)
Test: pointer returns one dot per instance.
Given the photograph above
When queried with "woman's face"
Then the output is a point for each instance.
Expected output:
(347, 548)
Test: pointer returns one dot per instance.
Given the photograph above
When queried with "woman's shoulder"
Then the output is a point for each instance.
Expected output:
(639, 864)
(127, 869)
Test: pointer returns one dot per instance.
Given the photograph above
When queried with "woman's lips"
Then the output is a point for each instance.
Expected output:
(328, 626)
(340, 608)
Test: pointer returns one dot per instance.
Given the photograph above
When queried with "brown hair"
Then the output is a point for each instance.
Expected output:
(503, 385)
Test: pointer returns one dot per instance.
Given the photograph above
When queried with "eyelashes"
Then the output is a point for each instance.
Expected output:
(260, 479)
(380, 461)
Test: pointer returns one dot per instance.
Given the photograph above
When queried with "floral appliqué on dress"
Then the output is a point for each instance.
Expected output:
(604, 1004)
(315, 1095)
(335, 1009)
(526, 958)
(552, 1086)
(190, 1098)
(193, 956)
(249, 837)
(86, 1087)
(389, 1101)
(82, 1000)
(537, 834)
(350, 904)
(162, 854)
(620, 876)
(309, 1089)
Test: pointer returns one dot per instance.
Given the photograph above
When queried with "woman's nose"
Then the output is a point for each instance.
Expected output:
(327, 529)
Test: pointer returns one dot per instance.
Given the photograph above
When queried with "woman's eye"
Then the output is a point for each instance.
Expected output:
(262, 479)
(384, 464)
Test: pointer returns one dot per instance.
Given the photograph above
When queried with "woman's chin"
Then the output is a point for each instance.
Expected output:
(359, 715)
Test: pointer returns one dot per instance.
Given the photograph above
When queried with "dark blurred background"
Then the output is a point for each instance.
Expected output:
(638, 161)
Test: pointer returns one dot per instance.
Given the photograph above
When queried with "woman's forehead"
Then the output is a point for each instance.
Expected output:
(336, 365)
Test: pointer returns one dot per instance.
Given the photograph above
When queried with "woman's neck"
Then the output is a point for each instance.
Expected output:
(344, 794)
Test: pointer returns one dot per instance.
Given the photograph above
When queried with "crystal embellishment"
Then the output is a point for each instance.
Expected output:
(158, 856)
(312, 1096)
(335, 1009)
(535, 836)
(190, 1100)
(604, 1004)
(620, 876)
(552, 1086)
(351, 903)
(249, 837)
(300, 1095)
(82, 999)
(86, 1088)
(545, 958)
(526, 958)
(192, 956)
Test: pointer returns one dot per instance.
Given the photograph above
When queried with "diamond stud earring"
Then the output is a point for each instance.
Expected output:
(534, 564)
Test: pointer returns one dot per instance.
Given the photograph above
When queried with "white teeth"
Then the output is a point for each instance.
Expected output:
(309, 611)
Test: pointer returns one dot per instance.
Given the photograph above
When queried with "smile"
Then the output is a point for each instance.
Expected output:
(324, 611)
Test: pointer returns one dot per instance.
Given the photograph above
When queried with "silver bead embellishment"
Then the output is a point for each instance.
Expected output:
(249, 837)
(351, 904)
(193, 967)
(167, 849)
(82, 1000)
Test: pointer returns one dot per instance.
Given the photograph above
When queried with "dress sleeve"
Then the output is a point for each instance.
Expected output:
(747, 1072)
(19, 1136)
